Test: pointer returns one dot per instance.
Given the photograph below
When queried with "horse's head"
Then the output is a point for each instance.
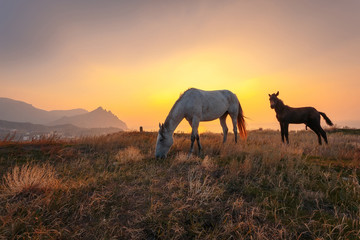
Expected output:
(164, 142)
(274, 99)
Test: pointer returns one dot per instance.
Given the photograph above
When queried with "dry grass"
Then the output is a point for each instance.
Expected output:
(256, 189)
(208, 163)
(129, 154)
(201, 189)
(30, 179)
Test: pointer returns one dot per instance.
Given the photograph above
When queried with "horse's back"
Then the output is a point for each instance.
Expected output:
(208, 105)
(216, 94)
(210, 97)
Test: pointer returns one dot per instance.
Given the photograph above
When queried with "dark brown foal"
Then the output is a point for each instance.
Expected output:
(307, 115)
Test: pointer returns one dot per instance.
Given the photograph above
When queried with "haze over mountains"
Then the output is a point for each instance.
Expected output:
(17, 111)
(95, 119)
(28, 131)
(13, 111)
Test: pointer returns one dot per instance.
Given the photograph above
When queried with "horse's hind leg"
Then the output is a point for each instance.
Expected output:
(234, 121)
(223, 125)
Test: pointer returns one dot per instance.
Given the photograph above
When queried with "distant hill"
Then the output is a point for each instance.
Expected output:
(18, 111)
(33, 130)
(97, 118)
(67, 113)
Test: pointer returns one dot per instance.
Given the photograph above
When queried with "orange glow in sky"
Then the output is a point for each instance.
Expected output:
(136, 59)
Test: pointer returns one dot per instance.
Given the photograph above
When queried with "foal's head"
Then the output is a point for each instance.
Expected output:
(274, 99)
(164, 142)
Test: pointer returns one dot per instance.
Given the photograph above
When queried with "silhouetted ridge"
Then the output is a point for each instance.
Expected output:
(18, 111)
(98, 118)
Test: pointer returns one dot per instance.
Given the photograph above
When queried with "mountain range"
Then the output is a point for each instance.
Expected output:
(17, 111)
(28, 131)
(95, 119)
(13, 111)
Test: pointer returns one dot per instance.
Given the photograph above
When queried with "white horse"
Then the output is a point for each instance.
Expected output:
(197, 105)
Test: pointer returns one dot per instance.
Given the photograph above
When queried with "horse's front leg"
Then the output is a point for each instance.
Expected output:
(192, 144)
(198, 142)
(194, 135)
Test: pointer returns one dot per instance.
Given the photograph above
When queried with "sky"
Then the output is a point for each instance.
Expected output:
(136, 57)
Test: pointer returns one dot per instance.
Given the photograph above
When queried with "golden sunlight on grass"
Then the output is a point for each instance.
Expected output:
(30, 179)
(255, 189)
(129, 154)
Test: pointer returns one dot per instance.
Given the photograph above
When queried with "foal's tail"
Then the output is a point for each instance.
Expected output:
(328, 121)
(241, 123)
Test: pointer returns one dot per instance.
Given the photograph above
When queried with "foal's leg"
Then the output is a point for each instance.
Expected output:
(323, 134)
(286, 132)
(223, 125)
(316, 130)
(282, 131)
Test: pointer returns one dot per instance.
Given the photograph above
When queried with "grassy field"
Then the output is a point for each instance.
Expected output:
(112, 187)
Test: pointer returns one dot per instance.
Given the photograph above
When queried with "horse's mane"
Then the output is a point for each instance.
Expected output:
(166, 123)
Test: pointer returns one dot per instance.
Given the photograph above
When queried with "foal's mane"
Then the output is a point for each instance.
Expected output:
(281, 101)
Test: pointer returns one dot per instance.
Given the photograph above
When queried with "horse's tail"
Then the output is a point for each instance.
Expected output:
(241, 123)
(328, 121)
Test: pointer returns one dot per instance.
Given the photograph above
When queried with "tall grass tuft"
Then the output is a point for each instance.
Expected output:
(201, 189)
(129, 154)
(30, 179)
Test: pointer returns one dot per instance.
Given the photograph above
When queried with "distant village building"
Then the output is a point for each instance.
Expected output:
(141, 129)
(37, 137)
